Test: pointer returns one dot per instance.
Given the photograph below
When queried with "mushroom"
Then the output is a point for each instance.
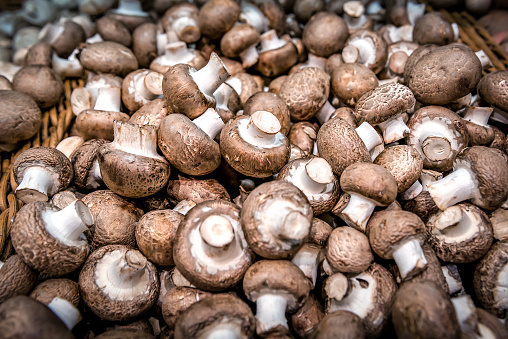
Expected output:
(20, 116)
(118, 283)
(63, 199)
(476, 122)
(305, 321)
(40, 172)
(16, 278)
(351, 81)
(314, 177)
(304, 9)
(197, 190)
(51, 240)
(369, 49)
(308, 259)
(305, 92)
(39, 82)
(240, 41)
(348, 250)
(433, 28)
(339, 325)
(369, 185)
(399, 235)
(480, 174)
(229, 12)
(413, 59)
(61, 288)
(107, 57)
(253, 145)
(87, 174)
(177, 300)
(355, 18)
(190, 92)
(65, 36)
(183, 19)
(151, 113)
(277, 287)
(421, 309)
(491, 88)
(114, 30)
(68, 145)
(499, 220)
(174, 53)
(324, 34)
(39, 54)
(245, 85)
(276, 219)
(252, 15)
(303, 134)
(189, 145)
(144, 43)
(275, 55)
(210, 249)
(217, 316)
(140, 87)
(269, 102)
(130, 165)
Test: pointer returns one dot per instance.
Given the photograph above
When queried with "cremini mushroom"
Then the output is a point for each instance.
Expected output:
(348, 250)
(229, 12)
(276, 55)
(197, 190)
(339, 325)
(108, 57)
(366, 47)
(39, 82)
(433, 28)
(16, 278)
(62, 288)
(140, 87)
(87, 174)
(324, 34)
(177, 300)
(491, 88)
(269, 102)
(240, 41)
(350, 81)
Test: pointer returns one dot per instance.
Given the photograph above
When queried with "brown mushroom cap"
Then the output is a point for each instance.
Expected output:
(177, 300)
(113, 30)
(376, 42)
(39, 82)
(413, 59)
(422, 205)
(269, 102)
(348, 250)
(351, 81)
(324, 34)
(460, 234)
(307, 318)
(108, 57)
(98, 124)
(151, 113)
(372, 181)
(16, 278)
(227, 10)
(144, 43)
(196, 190)
(339, 325)
(20, 116)
(83, 159)
(493, 88)
(215, 310)
(124, 333)
(423, 310)
(38, 248)
(445, 74)
(237, 39)
(319, 232)
(71, 36)
(39, 54)
(202, 266)
(303, 134)
(433, 28)
(339, 144)
(305, 92)
(56, 288)
(403, 162)
(277, 61)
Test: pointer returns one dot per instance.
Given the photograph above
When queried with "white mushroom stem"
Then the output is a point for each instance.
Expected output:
(217, 234)
(316, 61)
(435, 145)
(262, 129)
(465, 311)
(161, 41)
(50, 32)
(270, 41)
(393, 129)
(175, 53)
(358, 211)
(227, 330)
(184, 206)
(1, 264)
(94, 38)
(210, 122)
(366, 49)
(359, 299)
(369, 135)
(130, 7)
(37, 182)
(108, 99)
(484, 59)
(253, 16)
(136, 139)
(222, 95)
(414, 11)
(145, 86)
(377, 151)
(249, 56)
(452, 277)
(66, 311)
(153, 83)
(66, 68)
(69, 144)
(409, 257)
(94, 176)
(457, 186)
(183, 22)
(478, 115)
(210, 77)
(307, 259)
(86, 23)
(68, 224)
(324, 114)
(81, 100)
(315, 177)
(455, 28)
(413, 191)
(354, 14)
(270, 312)
(350, 54)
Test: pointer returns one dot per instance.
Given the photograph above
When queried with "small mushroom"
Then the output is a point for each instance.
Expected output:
(16, 278)
(64, 36)
(270, 102)
(177, 300)
(276, 55)
(144, 43)
(140, 87)
(108, 57)
(492, 89)
(369, 49)
(303, 134)
(229, 12)
(351, 81)
(339, 325)
(87, 174)
(61, 288)
(355, 18)
(197, 190)
(240, 41)
(118, 283)
(433, 28)
(114, 30)
(324, 34)
(39, 82)
(348, 250)
(183, 19)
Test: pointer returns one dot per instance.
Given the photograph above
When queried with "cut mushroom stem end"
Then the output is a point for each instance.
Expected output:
(368, 135)
(436, 147)
(295, 227)
(410, 259)
(136, 139)
(217, 232)
(270, 313)
(393, 129)
(66, 311)
(261, 129)
(210, 77)
(68, 224)
(358, 211)
(318, 174)
(36, 183)
(452, 189)
(228, 330)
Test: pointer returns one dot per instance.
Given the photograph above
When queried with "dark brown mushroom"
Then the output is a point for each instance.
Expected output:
(16, 278)
(39, 82)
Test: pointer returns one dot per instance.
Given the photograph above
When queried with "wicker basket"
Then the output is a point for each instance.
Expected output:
(10, 5)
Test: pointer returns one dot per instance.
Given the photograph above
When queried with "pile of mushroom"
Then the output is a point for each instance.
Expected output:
(253, 169)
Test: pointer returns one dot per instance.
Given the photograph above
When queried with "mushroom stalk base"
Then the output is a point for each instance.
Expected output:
(436, 148)
(270, 313)
(393, 129)
(66, 311)
(358, 211)
(307, 260)
(478, 115)
(249, 56)
(136, 139)
(466, 314)
(368, 135)
(410, 259)
(222, 331)
(36, 184)
(68, 224)
(324, 114)
(210, 77)
(454, 188)
(270, 41)
(108, 99)
(210, 122)
(413, 191)
(94, 178)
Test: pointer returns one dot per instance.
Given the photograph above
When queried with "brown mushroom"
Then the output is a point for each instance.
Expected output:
(240, 41)
(39, 82)
(227, 10)
(64, 36)
(351, 81)
(108, 57)
(144, 43)
(177, 300)
(324, 34)
(16, 278)
(265, 101)
(87, 173)
(276, 55)
(348, 250)
(197, 190)
(61, 288)
(369, 49)
(339, 325)
(433, 28)
(111, 29)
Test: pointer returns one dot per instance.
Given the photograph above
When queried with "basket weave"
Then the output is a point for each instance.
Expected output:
(10, 5)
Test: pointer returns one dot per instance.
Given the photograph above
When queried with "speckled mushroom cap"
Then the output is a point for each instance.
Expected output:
(493, 88)
(227, 10)
(238, 39)
(491, 173)
(57, 288)
(178, 299)
(272, 276)
(269, 102)
(48, 158)
(403, 162)
(421, 309)
(444, 121)
(324, 34)
(352, 80)
(197, 190)
(387, 228)
(122, 333)
(327, 193)
(383, 102)
(155, 235)
(41, 83)
(303, 134)
(186, 146)
(339, 144)
(24, 317)
(20, 116)
(433, 28)
(375, 40)
(114, 219)
(348, 250)
(108, 57)
(305, 92)
(16, 278)
(209, 267)
(372, 181)
(38, 248)
(490, 279)
(460, 234)
(445, 74)
(319, 232)
(215, 310)
(132, 95)
(83, 159)
(277, 61)
(267, 209)
(98, 124)
(339, 325)
(104, 298)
